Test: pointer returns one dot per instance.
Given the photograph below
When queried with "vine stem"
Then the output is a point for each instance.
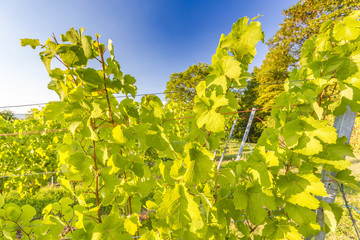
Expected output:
(21, 229)
(104, 76)
(129, 199)
(329, 99)
(253, 229)
(96, 184)
(289, 163)
(321, 96)
(97, 175)
(55, 40)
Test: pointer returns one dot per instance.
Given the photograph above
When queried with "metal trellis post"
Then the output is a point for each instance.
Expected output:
(344, 125)
(246, 133)
(227, 143)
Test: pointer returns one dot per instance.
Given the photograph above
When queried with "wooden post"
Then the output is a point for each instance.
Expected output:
(246, 133)
(344, 125)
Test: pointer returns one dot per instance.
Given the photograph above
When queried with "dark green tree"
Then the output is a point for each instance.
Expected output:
(181, 86)
(246, 102)
(8, 115)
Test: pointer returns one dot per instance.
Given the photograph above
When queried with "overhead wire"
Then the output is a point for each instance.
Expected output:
(105, 126)
(154, 93)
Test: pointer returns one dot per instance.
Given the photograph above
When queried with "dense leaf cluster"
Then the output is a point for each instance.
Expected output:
(27, 153)
(159, 179)
(301, 21)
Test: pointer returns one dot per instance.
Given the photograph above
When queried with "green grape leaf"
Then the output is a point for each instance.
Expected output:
(164, 168)
(243, 37)
(332, 156)
(73, 36)
(53, 110)
(156, 138)
(28, 212)
(294, 133)
(88, 132)
(151, 109)
(90, 76)
(217, 80)
(218, 101)
(291, 132)
(111, 49)
(329, 216)
(113, 67)
(33, 43)
(348, 29)
(150, 235)
(308, 146)
(240, 199)
(178, 208)
(280, 230)
(304, 199)
(199, 164)
(128, 87)
(297, 189)
(231, 67)
(131, 223)
(73, 126)
(72, 56)
(318, 110)
(259, 167)
(226, 177)
(301, 215)
(2, 201)
(206, 202)
(66, 184)
(80, 221)
(112, 227)
(86, 45)
(76, 94)
(12, 211)
(118, 135)
(7, 234)
(344, 177)
(257, 200)
(212, 120)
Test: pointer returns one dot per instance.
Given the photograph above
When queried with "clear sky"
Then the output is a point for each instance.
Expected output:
(152, 38)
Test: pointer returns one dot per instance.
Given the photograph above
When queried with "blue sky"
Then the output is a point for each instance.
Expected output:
(152, 38)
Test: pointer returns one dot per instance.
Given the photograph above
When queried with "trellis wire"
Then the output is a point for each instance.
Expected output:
(159, 93)
(349, 210)
(37, 225)
(31, 174)
(104, 126)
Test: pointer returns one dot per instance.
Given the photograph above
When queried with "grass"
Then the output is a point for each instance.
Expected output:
(233, 149)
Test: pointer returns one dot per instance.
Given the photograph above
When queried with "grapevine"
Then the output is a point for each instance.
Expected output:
(156, 179)
(27, 154)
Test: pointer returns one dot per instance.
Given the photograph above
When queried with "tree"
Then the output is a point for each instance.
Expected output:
(246, 101)
(302, 20)
(181, 86)
(274, 69)
(7, 115)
